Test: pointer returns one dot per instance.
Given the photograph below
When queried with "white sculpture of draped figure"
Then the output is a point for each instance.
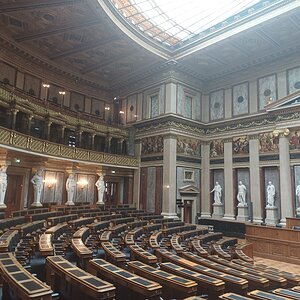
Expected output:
(101, 188)
(37, 181)
(71, 189)
(3, 185)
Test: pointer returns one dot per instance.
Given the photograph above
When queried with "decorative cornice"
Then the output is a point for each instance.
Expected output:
(22, 142)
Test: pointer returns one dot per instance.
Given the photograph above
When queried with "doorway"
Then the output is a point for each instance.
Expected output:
(187, 211)
(111, 193)
(13, 196)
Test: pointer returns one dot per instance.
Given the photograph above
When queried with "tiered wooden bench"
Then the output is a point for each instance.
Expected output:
(60, 219)
(255, 282)
(132, 235)
(173, 286)
(132, 282)
(169, 231)
(10, 222)
(83, 253)
(233, 296)
(275, 281)
(105, 236)
(217, 249)
(235, 284)
(113, 254)
(97, 226)
(175, 243)
(8, 240)
(20, 282)
(287, 293)
(193, 233)
(155, 239)
(45, 245)
(196, 245)
(61, 274)
(122, 221)
(291, 278)
(211, 236)
(139, 253)
(245, 252)
(265, 296)
(206, 284)
(74, 224)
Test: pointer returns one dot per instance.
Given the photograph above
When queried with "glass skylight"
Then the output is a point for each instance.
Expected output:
(174, 21)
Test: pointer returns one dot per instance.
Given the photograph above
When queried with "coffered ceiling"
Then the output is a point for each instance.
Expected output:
(79, 39)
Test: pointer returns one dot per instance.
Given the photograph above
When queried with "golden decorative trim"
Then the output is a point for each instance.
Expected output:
(21, 141)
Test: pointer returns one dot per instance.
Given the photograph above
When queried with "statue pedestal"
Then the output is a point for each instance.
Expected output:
(218, 211)
(36, 204)
(298, 212)
(2, 205)
(70, 203)
(243, 214)
(101, 203)
(170, 216)
(272, 215)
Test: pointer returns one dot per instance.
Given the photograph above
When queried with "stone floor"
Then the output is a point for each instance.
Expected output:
(292, 268)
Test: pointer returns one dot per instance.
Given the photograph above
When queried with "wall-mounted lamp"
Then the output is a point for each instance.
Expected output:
(121, 112)
(82, 183)
(50, 182)
(107, 108)
(46, 85)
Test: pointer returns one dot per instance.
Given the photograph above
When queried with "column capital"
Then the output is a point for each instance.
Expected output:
(205, 143)
(227, 140)
(253, 136)
(170, 136)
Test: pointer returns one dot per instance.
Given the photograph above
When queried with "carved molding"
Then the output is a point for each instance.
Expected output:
(10, 138)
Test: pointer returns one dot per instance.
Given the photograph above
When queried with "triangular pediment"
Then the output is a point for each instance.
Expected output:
(290, 101)
(189, 189)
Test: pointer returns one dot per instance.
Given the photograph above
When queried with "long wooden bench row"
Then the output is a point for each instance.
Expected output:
(20, 281)
(8, 240)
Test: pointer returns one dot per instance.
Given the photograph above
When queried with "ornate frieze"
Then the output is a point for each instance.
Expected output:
(189, 147)
(152, 145)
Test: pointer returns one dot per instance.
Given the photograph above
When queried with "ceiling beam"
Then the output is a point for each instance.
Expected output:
(82, 48)
(115, 58)
(56, 30)
(34, 4)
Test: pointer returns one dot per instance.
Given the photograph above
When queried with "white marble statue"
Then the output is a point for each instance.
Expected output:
(37, 181)
(241, 196)
(217, 193)
(3, 185)
(101, 188)
(71, 189)
(270, 195)
(298, 195)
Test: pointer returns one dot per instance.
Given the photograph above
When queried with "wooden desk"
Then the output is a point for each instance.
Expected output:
(105, 236)
(235, 284)
(206, 284)
(119, 276)
(274, 243)
(45, 244)
(196, 244)
(287, 293)
(83, 253)
(265, 296)
(57, 230)
(173, 286)
(60, 219)
(112, 253)
(291, 278)
(61, 274)
(233, 296)
(255, 281)
(244, 251)
(275, 280)
(8, 240)
(23, 284)
(175, 243)
(154, 239)
(139, 253)
(291, 222)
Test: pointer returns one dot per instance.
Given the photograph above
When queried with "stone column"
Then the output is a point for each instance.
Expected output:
(228, 181)
(93, 141)
(30, 117)
(137, 175)
(205, 180)
(169, 177)
(255, 179)
(286, 204)
(108, 143)
(79, 136)
(47, 129)
(120, 144)
(62, 134)
(14, 118)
